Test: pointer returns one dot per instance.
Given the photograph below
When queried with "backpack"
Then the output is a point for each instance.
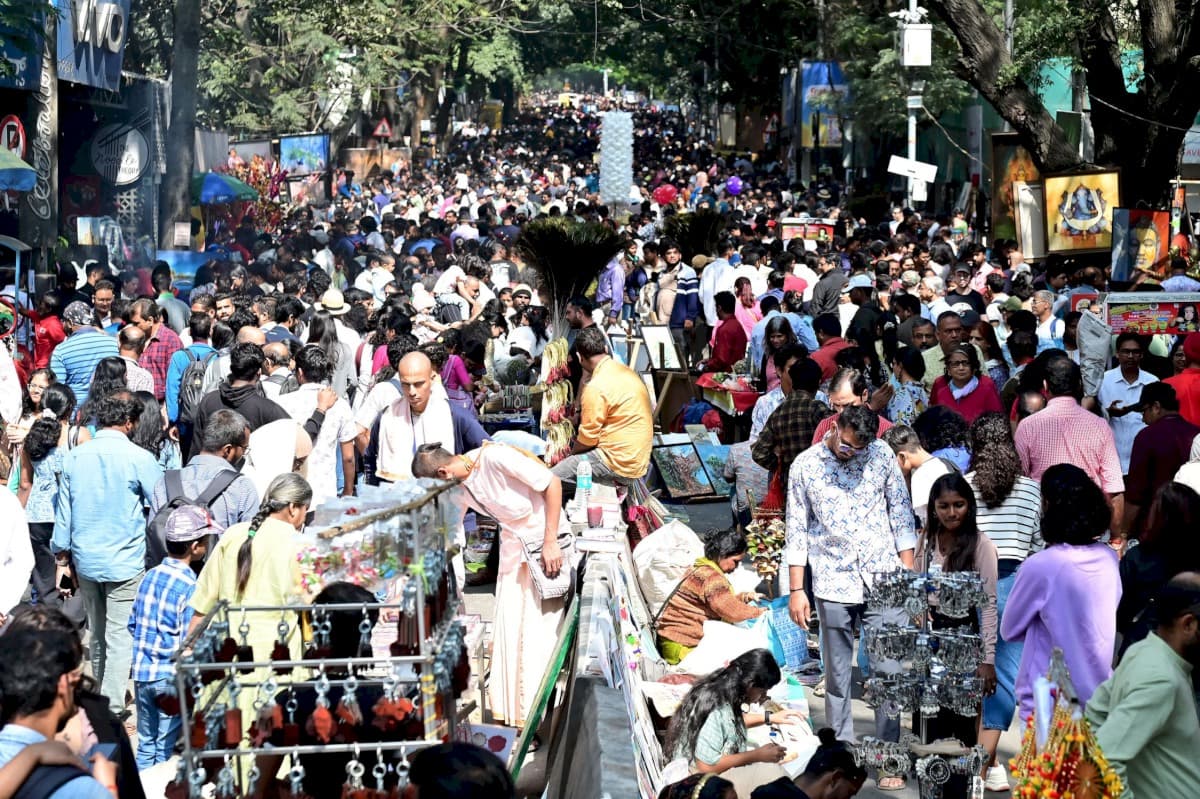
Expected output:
(191, 387)
(44, 780)
(287, 383)
(447, 313)
(156, 529)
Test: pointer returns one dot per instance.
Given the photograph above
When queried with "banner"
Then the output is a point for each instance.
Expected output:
(1153, 312)
(23, 52)
(824, 91)
(814, 229)
(91, 42)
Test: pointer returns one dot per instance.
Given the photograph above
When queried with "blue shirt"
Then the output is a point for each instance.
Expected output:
(75, 359)
(160, 618)
(175, 369)
(14, 738)
(802, 327)
(105, 484)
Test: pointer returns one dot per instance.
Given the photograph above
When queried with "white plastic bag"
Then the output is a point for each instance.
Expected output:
(661, 560)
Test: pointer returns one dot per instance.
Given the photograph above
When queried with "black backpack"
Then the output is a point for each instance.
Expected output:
(287, 383)
(191, 387)
(447, 313)
(44, 780)
(156, 529)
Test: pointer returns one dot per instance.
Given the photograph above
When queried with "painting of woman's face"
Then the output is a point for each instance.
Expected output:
(1145, 246)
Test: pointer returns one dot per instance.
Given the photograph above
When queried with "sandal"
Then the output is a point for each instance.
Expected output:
(890, 782)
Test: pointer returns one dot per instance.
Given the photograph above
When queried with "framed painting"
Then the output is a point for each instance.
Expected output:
(713, 458)
(661, 350)
(1031, 219)
(243, 153)
(304, 155)
(1141, 244)
(1011, 163)
(682, 473)
(1079, 211)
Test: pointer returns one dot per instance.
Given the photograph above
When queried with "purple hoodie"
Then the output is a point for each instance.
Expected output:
(1064, 596)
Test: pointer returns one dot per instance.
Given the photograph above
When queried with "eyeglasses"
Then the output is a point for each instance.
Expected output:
(1130, 353)
(956, 364)
(843, 447)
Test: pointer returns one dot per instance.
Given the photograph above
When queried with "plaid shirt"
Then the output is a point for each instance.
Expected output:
(156, 358)
(1063, 432)
(788, 431)
(160, 619)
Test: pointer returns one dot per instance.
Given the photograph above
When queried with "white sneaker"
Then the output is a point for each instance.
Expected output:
(997, 779)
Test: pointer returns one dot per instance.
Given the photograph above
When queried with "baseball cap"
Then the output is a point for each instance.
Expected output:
(79, 313)
(189, 522)
(701, 261)
(962, 268)
(522, 289)
(1011, 304)
(1191, 346)
(970, 317)
(860, 282)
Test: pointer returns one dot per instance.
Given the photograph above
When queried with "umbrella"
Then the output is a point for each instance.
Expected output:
(15, 174)
(214, 188)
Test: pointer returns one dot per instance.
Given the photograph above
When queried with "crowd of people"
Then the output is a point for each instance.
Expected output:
(922, 404)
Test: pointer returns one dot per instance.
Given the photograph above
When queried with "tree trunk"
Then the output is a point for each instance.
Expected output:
(181, 135)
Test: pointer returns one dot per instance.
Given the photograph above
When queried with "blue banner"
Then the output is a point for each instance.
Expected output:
(823, 92)
(91, 41)
(24, 56)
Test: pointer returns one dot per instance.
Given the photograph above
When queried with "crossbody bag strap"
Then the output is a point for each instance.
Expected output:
(662, 608)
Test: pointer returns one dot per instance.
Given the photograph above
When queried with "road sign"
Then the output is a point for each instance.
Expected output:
(12, 135)
(383, 130)
(917, 170)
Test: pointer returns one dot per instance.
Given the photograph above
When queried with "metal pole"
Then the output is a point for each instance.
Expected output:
(914, 102)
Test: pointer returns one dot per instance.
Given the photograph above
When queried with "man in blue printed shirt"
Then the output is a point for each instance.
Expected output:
(40, 672)
(100, 534)
(160, 620)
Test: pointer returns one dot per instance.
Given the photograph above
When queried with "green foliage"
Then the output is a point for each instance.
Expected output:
(20, 23)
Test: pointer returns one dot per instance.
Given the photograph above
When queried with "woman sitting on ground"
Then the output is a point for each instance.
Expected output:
(709, 728)
(704, 594)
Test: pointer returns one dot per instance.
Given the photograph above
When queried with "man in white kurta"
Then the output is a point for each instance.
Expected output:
(525, 498)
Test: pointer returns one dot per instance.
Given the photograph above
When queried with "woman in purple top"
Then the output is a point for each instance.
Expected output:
(1066, 595)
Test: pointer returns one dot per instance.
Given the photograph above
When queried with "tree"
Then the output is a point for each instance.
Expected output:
(1140, 129)
(181, 133)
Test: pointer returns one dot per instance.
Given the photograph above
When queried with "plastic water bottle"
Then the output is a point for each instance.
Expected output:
(583, 483)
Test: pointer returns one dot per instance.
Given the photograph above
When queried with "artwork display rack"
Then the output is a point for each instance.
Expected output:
(422, 671)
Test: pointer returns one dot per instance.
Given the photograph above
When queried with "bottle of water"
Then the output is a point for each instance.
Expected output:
(583, 483)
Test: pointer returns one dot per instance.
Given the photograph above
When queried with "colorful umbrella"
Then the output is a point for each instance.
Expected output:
(214, 188)
(15, 174)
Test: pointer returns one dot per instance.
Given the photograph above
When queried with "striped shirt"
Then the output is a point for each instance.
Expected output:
(1015, 525)
(74, 360)
(687, 297)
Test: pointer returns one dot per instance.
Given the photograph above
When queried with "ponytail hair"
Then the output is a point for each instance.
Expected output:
(287, 489)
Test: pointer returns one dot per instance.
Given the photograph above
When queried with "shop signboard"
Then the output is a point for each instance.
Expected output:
(1153, 312)
(91, 41)
(24, 56)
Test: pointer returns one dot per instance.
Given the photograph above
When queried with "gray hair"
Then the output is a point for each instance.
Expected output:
(934, 284)
(225, 428)
(1045, 296)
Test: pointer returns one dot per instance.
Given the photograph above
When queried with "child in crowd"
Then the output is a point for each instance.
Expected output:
(160, 619)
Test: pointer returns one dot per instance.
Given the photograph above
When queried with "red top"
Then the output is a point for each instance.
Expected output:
(1187, 388)
(984, 399)
(729, 346)
(48, 333)
(824, 357)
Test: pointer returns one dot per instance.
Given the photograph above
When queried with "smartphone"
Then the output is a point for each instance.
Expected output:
(65, 583)
(108, 750)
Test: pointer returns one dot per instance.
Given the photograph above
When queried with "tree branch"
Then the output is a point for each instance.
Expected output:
(984, 63)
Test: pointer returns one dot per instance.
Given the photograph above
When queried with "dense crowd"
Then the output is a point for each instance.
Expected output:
(923, 401)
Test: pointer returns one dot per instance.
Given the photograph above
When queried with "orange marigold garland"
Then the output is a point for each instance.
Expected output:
(1069, 766)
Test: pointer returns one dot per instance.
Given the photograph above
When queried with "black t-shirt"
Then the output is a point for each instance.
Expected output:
(972, 298)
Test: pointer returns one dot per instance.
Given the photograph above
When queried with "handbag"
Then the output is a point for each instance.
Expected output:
(551, 587)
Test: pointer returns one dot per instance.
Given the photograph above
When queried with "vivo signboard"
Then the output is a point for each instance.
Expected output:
(91, 41)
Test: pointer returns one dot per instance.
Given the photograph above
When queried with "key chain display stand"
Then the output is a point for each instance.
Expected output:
(239, 700)
(936, 678)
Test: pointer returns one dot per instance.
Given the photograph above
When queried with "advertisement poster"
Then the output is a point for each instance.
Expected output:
(1153, 312)
(243, 153)
(1141, 243)
(91, 42)
(824, 90)
(304, 155)
(1011, 163)
(1079, 211)
(812, 229)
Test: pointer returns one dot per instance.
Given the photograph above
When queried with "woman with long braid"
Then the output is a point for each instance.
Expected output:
(255, 563)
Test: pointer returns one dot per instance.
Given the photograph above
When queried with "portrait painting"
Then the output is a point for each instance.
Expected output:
(1141, 244)
(1011, 163)
(682, 473)
(1079, 211)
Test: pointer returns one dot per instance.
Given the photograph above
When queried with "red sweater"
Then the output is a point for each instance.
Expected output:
(729, 346)
(984, 399)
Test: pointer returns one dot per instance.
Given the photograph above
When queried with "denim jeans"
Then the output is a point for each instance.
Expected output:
(156, 731)
(108, 607)
(998, 708)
